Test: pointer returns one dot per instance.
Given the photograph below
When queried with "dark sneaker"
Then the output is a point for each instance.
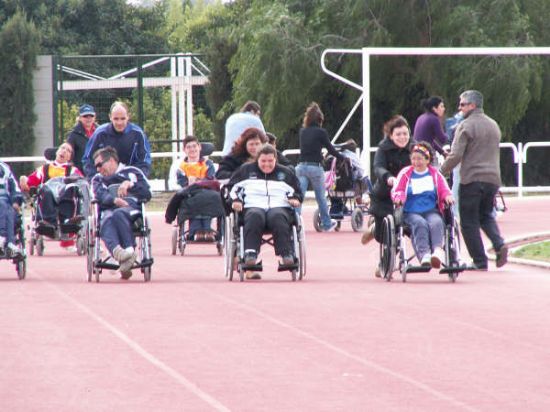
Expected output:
(475, 267)
(46, 229)
(288, 260)
(250, 258)
(502, 256)
(125, 275)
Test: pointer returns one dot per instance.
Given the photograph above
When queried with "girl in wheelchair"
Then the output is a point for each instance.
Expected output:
(423, 192)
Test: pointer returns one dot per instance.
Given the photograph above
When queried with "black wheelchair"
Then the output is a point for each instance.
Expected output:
(234, 247)
(394, 244)
(19, 260)
(141, 230)
(64, 230)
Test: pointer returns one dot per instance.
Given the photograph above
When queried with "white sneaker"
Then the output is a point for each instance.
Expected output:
(426, 260)
(332, 228)
(437, 257)
(13, 250)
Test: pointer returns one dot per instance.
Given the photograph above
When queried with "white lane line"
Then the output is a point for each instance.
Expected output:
(179, 378)
(416, 383)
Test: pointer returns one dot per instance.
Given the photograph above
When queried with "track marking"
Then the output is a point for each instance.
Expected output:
(416, 383)
(136, 347)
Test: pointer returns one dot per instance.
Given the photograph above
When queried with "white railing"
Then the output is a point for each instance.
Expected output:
(519, 153)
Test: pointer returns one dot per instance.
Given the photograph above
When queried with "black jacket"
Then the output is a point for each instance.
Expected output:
(78, 140)
(388, 161)
(229, 164)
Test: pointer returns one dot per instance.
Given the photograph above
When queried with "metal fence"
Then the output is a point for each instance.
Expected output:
(518, 177)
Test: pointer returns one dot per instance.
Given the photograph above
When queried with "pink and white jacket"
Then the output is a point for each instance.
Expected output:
(399, 190)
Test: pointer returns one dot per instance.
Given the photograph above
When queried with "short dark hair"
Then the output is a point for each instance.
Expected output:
(431, 102)
(424, 148)
(267, 149)
(106, 153)
(251, 106)
(271, 138)
(190, 139)
(395, 122)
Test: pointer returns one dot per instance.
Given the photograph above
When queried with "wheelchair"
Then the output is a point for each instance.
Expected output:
(234, 247)
(345, 197)
(141, 230)
(63, 231)
(181, 238)
(20, 261)
(394, 244)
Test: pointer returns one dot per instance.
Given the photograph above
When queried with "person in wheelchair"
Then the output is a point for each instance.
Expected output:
(56, 197)
(423, 192)
(266, 192)
(118, 211)
(193, 170)
(11, 201)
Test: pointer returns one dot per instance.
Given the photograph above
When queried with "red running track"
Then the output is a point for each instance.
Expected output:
(340, 340)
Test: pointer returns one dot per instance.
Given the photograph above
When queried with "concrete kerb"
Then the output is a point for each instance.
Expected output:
(518, 241)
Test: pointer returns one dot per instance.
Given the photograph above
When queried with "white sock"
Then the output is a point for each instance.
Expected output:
(2, 241)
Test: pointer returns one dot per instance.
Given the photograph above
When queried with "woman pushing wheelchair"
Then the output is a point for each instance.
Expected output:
(423, 192)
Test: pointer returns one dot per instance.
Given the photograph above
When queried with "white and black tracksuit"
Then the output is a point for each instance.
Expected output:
(265, 199)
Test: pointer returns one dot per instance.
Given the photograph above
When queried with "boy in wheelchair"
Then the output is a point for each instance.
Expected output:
(194, 171)
(266, 192)
(57, 194)
(423, 192)
(120, 209)
(11, 200)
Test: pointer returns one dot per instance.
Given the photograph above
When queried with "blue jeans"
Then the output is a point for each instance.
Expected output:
(7, 220)
(315, 175)
(199, 223)
(427, 230)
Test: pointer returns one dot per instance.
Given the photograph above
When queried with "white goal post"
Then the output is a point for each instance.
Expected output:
(367, 52)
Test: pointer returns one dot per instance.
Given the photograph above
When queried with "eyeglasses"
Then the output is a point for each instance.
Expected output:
(88, 115)
(100, 164)
(462, 104)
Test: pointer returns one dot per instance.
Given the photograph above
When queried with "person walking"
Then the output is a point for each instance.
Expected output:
(310, 169)
(392, 155)
(129, 140)
(476, 147)
(428, 127)
(81, 133)
(237, 123)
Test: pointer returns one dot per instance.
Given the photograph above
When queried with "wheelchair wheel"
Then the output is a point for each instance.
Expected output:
(80, 246)
(147, 273)
(90, 248)
(357, 219)
(230, 248)
(21, 267)
(452, 250)
(317, 220)
(387, 248)
(174, 240)
(300, 248)
(40, 246)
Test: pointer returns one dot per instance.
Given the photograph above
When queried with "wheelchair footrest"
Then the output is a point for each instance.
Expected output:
(418, 269)
(115, 266)
(283, 268)
(258, 267)
(452, 269)
(69, 228)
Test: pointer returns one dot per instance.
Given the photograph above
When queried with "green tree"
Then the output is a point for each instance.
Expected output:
(18, 50)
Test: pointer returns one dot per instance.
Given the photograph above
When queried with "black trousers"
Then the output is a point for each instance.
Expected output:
(277, 220)
(476, 212)
(49, 209)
